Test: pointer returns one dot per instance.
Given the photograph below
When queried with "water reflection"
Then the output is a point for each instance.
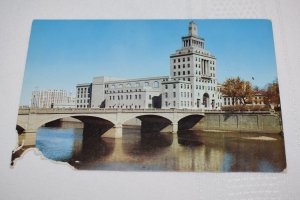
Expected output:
(190, 138)
(137, 144)
(190, 151)
(59, 143)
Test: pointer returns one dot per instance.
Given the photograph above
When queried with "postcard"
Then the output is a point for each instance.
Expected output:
(153, 95)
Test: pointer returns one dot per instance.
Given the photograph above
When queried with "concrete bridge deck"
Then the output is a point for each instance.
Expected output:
(106, 122)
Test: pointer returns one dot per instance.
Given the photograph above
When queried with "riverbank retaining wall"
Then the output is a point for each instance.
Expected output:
(252, 122)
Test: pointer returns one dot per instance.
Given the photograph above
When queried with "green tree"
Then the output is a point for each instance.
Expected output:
(238, 89)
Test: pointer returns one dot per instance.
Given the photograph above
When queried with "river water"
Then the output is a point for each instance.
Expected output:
(188, 151)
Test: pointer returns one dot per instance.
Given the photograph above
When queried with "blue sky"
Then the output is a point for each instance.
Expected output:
(63, 53)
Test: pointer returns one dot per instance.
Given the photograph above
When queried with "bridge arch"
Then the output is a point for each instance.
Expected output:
(82, 117)
(152, 122)
(140, 116)
(20, 129)
(189, 121)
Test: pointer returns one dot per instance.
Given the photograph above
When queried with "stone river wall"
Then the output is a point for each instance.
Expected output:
(244, 122)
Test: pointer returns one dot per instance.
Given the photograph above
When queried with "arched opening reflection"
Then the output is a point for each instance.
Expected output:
(190, 138)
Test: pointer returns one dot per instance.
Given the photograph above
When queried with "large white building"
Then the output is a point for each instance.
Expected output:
(192, 83)
(52, 99)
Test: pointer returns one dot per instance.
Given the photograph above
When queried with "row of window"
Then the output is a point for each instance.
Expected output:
(205, 87)
(188, 59)
(82, 106)
(183, 59)
(183, 66)
(182, 103)
(188, 73)
(83, 101)
(82, 95)
(205, 80)
(81, 89)
(188, 65)
(185, 86)
(127, 97)
(189, 103)
(183, 73)
(178, 79)
(129, 106)
(121, 91)
(155, 84)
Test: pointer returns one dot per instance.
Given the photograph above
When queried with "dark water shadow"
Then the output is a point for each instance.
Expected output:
(189, 138)
(93, 149)
(136, 143)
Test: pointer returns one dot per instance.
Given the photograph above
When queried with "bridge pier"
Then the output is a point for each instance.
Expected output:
(118, 130)
(174, 127)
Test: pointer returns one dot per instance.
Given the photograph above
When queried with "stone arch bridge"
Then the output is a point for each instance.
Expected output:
(106, 122)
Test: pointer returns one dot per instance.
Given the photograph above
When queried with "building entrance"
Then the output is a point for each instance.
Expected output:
(206, 100)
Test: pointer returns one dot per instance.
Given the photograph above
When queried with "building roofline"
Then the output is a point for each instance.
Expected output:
(83, 84)
(137, 79)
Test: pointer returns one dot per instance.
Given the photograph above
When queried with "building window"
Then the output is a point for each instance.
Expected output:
(183, 59)
(146, 84)
(166, 95)
(174, 60)
(174, 103)
(150, 97)
(183, 73)
(174, 86)
(174, 73)
(174, 66)
(156, 84)
(188, 58)
(174, 94)
(178, 59)
(178, 73)
(166, 86)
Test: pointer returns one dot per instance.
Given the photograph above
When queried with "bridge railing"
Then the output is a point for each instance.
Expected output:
(104, 110)
(23, 111)
(237, 111)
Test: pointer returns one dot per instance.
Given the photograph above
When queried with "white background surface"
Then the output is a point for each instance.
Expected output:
(35, 178)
